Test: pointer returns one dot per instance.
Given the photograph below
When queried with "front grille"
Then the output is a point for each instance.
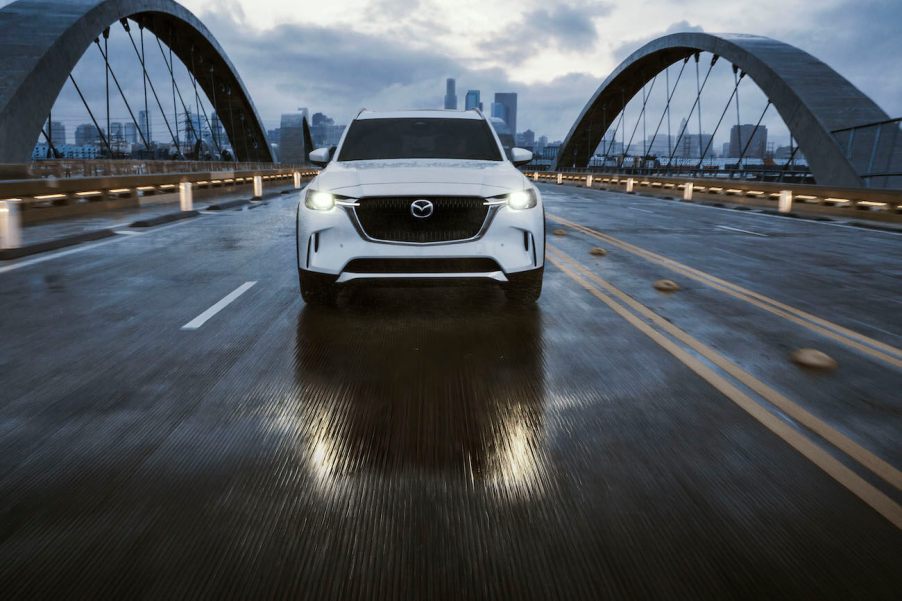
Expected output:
(454, 218)
(466, 265)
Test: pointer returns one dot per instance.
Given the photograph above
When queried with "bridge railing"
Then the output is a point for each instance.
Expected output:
(851, 203)
(68, 168)
(38, 199)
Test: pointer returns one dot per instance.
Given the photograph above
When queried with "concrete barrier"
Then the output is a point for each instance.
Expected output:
(10, 224)
(186, 196)
(687, 191)
(785, 202)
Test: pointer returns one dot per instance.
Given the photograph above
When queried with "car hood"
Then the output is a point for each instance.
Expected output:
(420, 176)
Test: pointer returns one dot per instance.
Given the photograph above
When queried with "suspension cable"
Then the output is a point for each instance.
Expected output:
(91, 114)
(170, 66)
(754, 131)
(719, 121)
(666, 112)
(738, 120)
(641, 117)
(50, 147)
(155, 96)
(146, 123)
(694, 104)
(213, 132)
(106, 38)
(614, 137)
(203, 109)
(699, 111)
(121, 93)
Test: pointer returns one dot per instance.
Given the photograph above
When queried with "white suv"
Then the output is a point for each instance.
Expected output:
(420, 195)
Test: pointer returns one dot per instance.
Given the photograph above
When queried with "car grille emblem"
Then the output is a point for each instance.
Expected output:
(422, 209)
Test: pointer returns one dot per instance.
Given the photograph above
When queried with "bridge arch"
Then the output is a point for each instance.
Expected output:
(41, 41)
(812, 98)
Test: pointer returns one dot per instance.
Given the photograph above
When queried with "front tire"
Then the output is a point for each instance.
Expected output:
(317, 288)
(525, 287)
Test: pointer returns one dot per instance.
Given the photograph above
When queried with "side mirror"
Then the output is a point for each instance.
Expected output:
(520, 156)
(321, 156)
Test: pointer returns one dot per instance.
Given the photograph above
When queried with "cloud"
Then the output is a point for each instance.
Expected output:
(336, 71)
(569, 28)
(624, 49)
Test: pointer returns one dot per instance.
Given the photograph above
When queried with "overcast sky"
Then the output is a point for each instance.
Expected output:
(341, 55)
(337, 56)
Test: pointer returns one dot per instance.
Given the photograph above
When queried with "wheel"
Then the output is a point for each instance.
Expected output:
(317, 288)
(524, 287)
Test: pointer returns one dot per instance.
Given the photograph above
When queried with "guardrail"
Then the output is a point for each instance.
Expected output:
(25, 201)
(852, 203)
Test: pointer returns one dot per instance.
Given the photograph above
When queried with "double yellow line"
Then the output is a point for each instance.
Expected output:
(665, 334)
(873, 348)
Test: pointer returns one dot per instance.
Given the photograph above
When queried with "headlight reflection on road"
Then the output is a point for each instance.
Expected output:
(518, 464)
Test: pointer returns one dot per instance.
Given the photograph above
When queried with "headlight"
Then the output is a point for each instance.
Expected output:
(518, 200)
(319, 201)
(522, 199)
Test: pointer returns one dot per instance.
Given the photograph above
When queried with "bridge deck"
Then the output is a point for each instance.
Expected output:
(616, 441)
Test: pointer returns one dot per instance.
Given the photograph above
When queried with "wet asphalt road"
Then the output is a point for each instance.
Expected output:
(440, 444)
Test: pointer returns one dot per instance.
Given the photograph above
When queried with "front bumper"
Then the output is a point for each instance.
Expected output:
(329, 240)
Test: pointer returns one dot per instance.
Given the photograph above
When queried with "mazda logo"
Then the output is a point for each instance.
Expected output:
(422, 209)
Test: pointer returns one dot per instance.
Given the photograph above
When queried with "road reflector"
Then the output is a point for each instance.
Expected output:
(598, 252)
(559, 232)
(813, 358)
(666, 286)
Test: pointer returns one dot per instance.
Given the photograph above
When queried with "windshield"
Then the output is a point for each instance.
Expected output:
(407, 138)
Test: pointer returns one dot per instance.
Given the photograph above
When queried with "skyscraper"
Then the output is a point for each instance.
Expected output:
(472, 100)
(57, 133)
(739, 141)
(499, 111)
(291, 138)
(144, 123)
(450, 94)
(131, 133)
(509, 100)
(86, 134)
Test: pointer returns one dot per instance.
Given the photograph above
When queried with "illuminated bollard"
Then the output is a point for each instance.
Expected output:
(297, 180)
(588, 181)
(560, 178)
(785, 205)
(258, 186)
(186, 196)
(10, 224)
(535, 176)
(687, 191)
(629, 185)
